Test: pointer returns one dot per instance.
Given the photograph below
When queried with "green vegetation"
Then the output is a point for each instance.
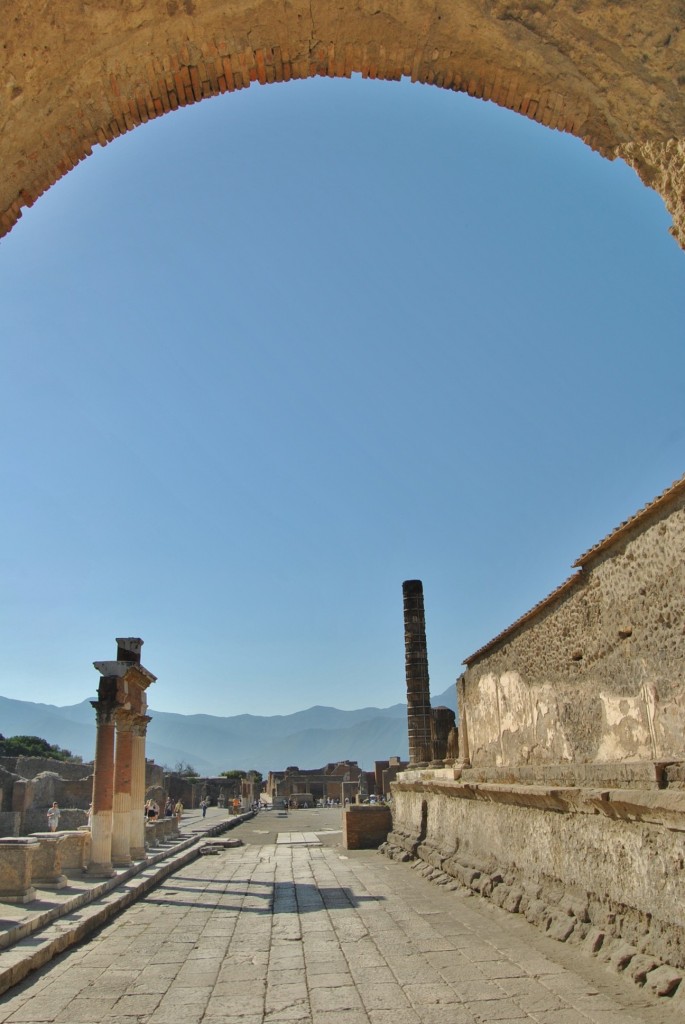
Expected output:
(238, 773)
(34, 746)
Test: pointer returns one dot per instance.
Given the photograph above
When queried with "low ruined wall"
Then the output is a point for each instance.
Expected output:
(593, 865)
(594, 674)
(365, 826)
(29, 767)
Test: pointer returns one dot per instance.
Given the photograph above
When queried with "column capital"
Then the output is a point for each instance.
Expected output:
(125, 720)
(105, 711)
(140, 724)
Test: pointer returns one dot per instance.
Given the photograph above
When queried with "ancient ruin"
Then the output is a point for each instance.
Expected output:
(118, 825)
(78, 76)
(567, 801)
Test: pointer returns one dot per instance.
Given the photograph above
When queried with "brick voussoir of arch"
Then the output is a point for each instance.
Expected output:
(82, 76)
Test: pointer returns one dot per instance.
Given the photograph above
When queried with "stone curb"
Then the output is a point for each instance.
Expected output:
(34, 943)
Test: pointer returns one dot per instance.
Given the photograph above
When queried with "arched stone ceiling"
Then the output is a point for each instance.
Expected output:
(82, 72)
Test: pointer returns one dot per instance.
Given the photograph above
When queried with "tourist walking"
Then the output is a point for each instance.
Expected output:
(53, 817)
(203, 806)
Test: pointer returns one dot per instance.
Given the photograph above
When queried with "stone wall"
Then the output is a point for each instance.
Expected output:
(29, 767)
(595, 674)
(568, 803)
(603, 868)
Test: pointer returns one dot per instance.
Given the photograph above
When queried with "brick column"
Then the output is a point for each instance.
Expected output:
(416, 669)
(138, 788)
(100, 863)
(121, 804)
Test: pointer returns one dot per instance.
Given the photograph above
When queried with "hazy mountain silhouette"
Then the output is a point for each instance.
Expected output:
(212, 744)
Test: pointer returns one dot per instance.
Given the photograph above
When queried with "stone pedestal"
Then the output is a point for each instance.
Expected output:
(75, 850)
(16, 866)
(365, 826)
(47, 861)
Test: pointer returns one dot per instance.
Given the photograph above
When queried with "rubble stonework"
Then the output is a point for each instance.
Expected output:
(568, 801)
(609, 73)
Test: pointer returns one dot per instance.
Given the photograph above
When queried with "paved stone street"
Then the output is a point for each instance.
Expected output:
(301, 930)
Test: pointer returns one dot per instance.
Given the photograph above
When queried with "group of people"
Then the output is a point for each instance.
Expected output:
(151, 811)
(171, 809)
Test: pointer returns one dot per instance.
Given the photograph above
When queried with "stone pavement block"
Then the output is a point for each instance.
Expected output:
(563, 1016)
(383, 997)
(538, 966)
(283, 996)
(331, 980)
(424, 995)
(497, 1010)
(293, 1013)
(190, 996)
(227, 1018)
(87, 1009)
(132, 1005)
(496, 969)
(413, 969)
(340, 1017)
(334, 965)
(479, 951)
(373, 976)
(394, 1016)
(170, 1012)
(530, 995)
(188, 978)
(478, 990)
(342, 998)
(446, 1015)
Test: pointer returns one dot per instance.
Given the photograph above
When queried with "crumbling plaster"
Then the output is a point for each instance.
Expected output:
(76, 74)
(596, 675)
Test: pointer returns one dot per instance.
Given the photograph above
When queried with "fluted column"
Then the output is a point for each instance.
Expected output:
(103, 781)
(138, 787)
(416, 670)
(121, 804)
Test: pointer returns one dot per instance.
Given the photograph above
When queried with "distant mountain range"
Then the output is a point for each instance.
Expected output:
(212, 744)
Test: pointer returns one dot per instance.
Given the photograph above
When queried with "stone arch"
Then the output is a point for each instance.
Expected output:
(78, 73)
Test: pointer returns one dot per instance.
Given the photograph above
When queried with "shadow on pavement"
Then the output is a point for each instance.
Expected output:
(278, 897)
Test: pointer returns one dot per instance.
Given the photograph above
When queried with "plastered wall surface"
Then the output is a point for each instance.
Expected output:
(597, 676)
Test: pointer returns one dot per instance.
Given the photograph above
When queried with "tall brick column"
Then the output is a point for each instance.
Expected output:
(416, 669)
(138, 788)
(121, 805)
(103, 781)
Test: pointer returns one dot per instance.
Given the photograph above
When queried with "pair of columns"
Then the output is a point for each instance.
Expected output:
(117, 822)
(117, 819)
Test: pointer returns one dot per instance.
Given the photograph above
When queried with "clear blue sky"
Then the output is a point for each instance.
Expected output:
(269, 356)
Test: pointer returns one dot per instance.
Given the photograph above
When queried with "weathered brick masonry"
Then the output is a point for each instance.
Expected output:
(78, 75)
